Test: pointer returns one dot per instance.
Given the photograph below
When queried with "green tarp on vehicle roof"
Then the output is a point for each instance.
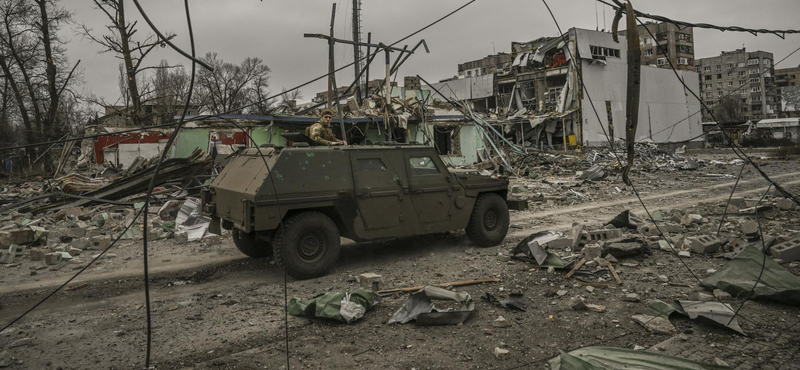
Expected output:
(738, 276)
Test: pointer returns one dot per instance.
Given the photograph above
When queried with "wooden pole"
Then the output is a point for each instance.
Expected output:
(330, 59)
(388, 102)
(453, 284)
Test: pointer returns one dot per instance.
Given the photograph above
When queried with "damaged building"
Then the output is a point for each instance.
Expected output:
(547, 106)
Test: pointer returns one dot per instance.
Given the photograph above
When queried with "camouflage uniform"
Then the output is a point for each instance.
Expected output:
(321, 134)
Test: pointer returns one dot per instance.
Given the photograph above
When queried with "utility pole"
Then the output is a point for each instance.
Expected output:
(330, 61)
(357, 48)
(331, 78)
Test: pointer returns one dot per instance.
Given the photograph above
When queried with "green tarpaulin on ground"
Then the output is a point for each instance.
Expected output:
(347, 306)
(609, 358)
(738, 276)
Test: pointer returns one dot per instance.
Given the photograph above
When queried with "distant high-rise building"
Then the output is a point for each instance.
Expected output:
(670, 43)
(787, 81)
(744, 75)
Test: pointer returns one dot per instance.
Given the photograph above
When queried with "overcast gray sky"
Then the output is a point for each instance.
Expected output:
(273, 31)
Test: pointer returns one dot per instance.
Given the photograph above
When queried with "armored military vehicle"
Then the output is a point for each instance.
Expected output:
(296, 202)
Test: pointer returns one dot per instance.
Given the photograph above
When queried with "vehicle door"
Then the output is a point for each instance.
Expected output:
(429, 185)
(378, 191)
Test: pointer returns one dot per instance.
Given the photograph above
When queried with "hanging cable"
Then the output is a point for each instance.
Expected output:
(682, 24)
(152, 184)
(613, 152)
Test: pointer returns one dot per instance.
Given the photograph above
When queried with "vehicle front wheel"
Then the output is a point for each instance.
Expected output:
(249, 245)
(306, 245)
(488, 223)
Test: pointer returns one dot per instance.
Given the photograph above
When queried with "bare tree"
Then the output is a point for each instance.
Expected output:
(120, 40)
(730, 110)
(170, 85)
(34, 65)
(289, 100)
(234, 88)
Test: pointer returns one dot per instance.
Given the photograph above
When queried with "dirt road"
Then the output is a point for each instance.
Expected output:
(215, 309)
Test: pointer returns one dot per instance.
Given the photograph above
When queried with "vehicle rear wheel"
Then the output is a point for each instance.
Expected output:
(488, 223)
(307, 245)
(249, 245)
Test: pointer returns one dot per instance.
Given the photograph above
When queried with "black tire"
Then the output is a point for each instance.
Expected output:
(488, 223)
(307, 245)
(249, 245)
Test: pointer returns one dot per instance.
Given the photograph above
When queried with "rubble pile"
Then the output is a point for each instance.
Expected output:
(594, 253)
(73, 236)
(48, 225)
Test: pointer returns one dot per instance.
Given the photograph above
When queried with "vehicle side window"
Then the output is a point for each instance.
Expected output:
(370, 164)
(423, 165)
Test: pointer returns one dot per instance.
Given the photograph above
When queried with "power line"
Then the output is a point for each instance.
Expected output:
(148, 128)
(611, 143)
(736, 149)
(163, 156)
(161, 159)
(722, 97)
(621, 8)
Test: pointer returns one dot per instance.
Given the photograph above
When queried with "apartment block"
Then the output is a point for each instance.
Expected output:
(787, 81)
(671, 44)
(744, 75)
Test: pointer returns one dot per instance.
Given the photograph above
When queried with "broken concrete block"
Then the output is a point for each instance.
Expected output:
(603, 234)
(631, 297)
(596, 308)
(36, 255)
(52, 258)
(580, 306)
(577, 235)
(592, 251)
(738, 202)
(787, 251)
(81, 243)
(749, 227)
(17, 236)
(212, 240)
(624, 248)
(99, 243)
(72, 213)
(560, 243)
(501, 322)
(518, 189)
(723, 296)
(74, 251)
(705, 244)
(65, 256)
(664, 245)
(684, 254)
(656, 325)
(370, 281)
(59, 266)
(74, 232)
(785, 204)
(704, 297)
(93, 231)
(181, 237)
(517, 204)
(501, 354)
(6, 258)
(17, 250)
